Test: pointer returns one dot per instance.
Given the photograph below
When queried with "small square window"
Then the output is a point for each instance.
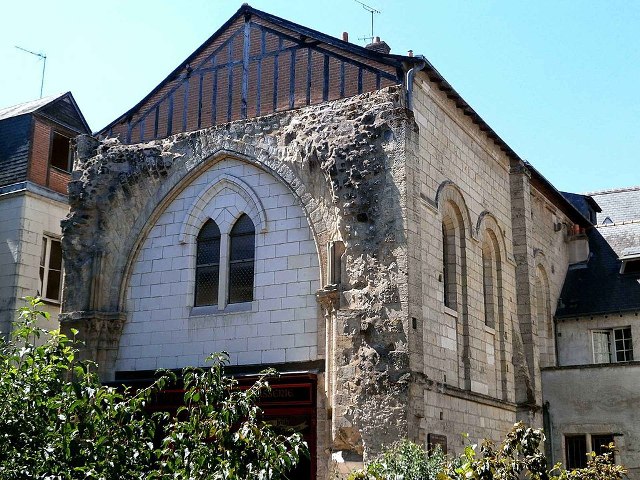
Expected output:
(60, 152)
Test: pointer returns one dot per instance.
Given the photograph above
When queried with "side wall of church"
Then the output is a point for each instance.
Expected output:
(458, 179)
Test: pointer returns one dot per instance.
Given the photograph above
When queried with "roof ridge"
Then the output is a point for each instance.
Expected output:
(617, 224)
(28, 107)
(614, 190)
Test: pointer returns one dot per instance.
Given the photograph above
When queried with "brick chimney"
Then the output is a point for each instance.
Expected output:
(379, 46)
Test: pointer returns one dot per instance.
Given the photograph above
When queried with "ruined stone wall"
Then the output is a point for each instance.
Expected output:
(344, 162)
(463, 367)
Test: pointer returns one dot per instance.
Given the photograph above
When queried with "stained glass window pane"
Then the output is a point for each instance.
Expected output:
(241, 264)
(207, 265)
(207, 285)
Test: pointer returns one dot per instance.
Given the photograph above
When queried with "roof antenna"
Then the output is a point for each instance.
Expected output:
(372, 11)
(44, 64)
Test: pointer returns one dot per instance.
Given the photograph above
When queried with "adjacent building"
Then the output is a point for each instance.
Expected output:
(592, 394)
(35, 163)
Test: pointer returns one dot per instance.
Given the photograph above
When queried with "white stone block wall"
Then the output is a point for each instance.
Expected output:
(25, 218)
(164, 330)
(11, 212)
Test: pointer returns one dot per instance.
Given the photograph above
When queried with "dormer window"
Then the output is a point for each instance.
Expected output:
(630, 259)
(60, 152)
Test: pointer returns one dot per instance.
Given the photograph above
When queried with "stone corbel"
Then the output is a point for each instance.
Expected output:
(100, 334)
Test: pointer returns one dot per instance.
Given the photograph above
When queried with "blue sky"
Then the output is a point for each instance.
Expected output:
(557, 80)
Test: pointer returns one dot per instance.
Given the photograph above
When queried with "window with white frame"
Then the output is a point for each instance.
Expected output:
(51, 269)
(225, 264)
(612, 345)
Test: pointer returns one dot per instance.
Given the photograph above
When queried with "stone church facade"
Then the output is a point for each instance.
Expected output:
(353, 222)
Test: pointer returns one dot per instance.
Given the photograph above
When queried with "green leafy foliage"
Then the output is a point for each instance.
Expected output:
(518, 457)
(57, 421)
(404, 460)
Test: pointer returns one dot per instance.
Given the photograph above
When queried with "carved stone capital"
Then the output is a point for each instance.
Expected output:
(99, 330)
(329, 298)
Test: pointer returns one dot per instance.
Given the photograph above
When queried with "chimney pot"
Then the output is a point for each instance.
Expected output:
(411, 53)
(377, 39)
(345, 36)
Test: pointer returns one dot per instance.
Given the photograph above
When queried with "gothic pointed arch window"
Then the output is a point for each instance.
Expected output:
(207, 265)
(241, 260)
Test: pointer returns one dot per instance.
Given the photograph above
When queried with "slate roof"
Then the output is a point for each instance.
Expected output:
(597, 286)
(583, 203)
(15, 138)
(16, 127)
(619, 205)
(27, 107)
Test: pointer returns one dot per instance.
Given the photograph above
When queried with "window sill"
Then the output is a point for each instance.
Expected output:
(61, 170)
(209, 310)
(48, 301)
(450, 311)
(490, 330)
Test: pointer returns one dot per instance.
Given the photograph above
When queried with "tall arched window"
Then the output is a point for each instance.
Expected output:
(207, 265)
(543, 319)
(449, 264)
(488, 285)
(241, 260)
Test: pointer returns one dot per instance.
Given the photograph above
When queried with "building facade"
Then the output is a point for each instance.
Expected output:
(597, 334)
(35, 165)
(337, 212)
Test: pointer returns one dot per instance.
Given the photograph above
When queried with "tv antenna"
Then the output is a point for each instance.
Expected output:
(372, 11)
(43, 57)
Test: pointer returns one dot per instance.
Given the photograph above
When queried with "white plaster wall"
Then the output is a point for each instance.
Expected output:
(602, 399)
(163, 330)
(24, 219)
(574, 336)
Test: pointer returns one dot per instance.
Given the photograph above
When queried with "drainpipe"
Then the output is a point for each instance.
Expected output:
(409, 78)
(548, 431)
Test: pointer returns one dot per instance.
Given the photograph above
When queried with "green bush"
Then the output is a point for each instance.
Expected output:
(517, 457)
(58, 422)
(404, 460)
